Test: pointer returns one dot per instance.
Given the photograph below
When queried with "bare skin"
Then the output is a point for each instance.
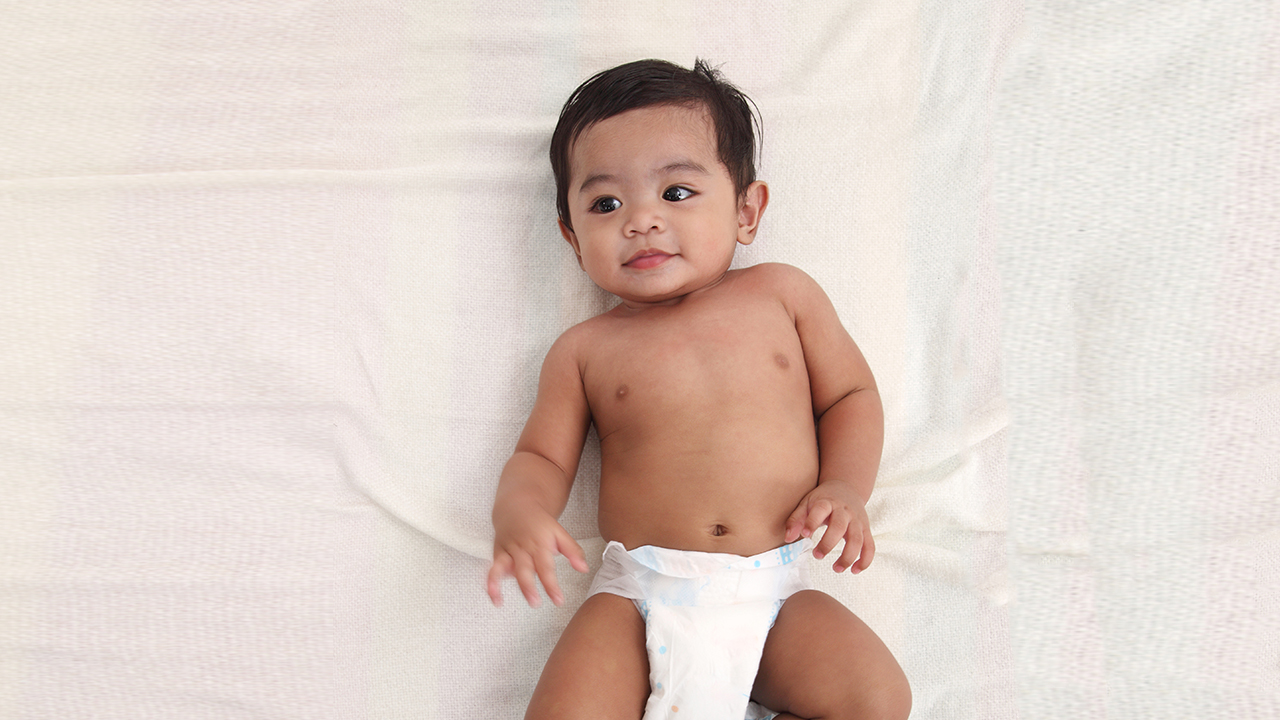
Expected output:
(735, 415)
(820, 661)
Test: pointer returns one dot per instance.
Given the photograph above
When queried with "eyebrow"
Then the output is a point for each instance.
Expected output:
(676, 166)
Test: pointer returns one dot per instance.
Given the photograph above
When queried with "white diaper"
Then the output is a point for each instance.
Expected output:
(706, 618)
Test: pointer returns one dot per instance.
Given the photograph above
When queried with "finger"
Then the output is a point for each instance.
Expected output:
(795, 523)
(570, 548)
(545, 565)
(852, 548)
(819, 512)
(500, 568)
(526, 578)
(868, 553)
(837, 525)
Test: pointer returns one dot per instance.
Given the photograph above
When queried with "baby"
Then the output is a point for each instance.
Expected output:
(736, 417)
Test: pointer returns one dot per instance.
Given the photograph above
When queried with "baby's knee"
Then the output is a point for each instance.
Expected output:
(894, 700)
(890, 698)
(880, 696)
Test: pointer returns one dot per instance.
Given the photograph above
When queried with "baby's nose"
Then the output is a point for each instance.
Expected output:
(645, 219)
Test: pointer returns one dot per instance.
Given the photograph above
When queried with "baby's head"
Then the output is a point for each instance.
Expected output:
(646, 83)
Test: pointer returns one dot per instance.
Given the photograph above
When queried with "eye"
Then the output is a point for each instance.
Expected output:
(676, 194)
(606, 205)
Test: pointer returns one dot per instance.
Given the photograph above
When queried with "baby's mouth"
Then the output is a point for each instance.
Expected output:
(647, 258)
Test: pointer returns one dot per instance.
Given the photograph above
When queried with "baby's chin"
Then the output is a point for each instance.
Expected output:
(667, 284)
(652, 300)
(662, 298)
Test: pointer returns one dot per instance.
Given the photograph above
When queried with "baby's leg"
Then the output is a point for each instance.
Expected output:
(821, 661)
(598, 668)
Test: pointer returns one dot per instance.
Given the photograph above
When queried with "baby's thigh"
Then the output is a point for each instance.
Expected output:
(820, 660)
(598, 668)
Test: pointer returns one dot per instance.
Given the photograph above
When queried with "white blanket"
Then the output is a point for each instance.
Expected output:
(276, 278)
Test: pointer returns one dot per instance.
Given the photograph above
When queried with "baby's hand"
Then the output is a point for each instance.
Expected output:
(836, 505)
(527, 550)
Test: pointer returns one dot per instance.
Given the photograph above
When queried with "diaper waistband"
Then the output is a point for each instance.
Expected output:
(691, 578)
(692, 563)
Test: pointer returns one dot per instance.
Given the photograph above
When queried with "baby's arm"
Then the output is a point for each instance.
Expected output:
(850, 425)
(535, 483)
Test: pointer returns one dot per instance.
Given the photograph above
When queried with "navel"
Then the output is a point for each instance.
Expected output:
(719, 530)
(782, 361)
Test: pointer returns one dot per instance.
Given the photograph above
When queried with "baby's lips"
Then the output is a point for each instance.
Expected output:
(646, 259)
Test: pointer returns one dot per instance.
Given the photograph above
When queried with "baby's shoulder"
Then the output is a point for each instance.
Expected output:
(578, 340)
(787, 282)
(578, 334)
(775, 273)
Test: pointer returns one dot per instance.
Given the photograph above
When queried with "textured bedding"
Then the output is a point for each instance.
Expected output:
(276, 279)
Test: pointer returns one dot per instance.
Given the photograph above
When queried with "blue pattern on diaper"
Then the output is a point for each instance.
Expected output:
(787, 553)
(777, 606)
(646, 555)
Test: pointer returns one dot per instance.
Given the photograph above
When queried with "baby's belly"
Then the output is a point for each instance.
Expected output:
(709, 502)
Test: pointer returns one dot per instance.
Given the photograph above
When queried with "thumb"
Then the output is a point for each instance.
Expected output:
(570, 548)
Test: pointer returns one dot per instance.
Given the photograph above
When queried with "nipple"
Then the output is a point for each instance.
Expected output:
(782, 361)
(622, 391)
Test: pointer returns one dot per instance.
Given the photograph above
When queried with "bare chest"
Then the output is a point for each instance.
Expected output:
(702, 363)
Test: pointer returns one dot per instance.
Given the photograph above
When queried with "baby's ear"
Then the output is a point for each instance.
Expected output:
(571, 238)
(750, 208)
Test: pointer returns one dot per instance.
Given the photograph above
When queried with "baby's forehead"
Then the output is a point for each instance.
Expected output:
(690, 128)
(689, 116)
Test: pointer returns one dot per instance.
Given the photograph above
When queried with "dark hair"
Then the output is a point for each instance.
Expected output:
(644, 83)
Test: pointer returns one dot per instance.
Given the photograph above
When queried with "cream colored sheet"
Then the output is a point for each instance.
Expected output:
(277, 278)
